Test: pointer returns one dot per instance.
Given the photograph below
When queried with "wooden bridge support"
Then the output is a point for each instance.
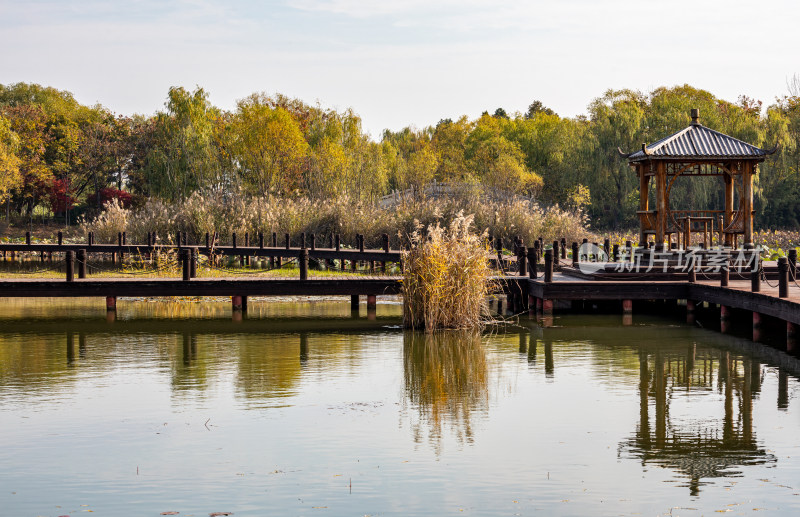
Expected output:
(691, 307)
(354, 303)
(757, 318)
(239, 303)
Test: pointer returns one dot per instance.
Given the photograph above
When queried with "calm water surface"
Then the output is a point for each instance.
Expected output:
(303, 410)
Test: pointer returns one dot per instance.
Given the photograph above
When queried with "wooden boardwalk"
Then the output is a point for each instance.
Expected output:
(160, 287)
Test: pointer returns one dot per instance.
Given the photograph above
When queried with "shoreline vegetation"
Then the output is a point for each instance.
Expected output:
(64, 161)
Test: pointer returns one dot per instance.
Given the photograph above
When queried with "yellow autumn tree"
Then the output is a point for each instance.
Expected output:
(10, 177)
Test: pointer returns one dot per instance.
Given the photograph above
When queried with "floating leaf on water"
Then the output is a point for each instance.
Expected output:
(219, 514)
(170, 513)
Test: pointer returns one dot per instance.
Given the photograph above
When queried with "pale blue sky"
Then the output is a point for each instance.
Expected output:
(403, 63)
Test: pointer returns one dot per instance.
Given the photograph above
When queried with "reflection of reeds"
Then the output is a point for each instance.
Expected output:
(446, 278)
(446, 378)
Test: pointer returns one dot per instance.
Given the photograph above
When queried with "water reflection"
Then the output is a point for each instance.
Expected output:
(697, 448)
(446, 380)
(695, 390)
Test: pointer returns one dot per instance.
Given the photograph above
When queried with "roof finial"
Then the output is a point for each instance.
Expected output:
(695, 116)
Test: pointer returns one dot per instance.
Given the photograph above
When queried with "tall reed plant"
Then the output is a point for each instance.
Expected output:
(446, 277)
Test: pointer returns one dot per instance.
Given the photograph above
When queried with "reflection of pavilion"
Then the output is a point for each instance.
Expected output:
(697, 450)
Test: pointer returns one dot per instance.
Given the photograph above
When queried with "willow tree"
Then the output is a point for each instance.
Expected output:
(184, 156)
(617, 120)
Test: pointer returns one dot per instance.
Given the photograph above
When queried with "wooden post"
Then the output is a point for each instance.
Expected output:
(354, 303)
(533, 259)
(236, 303)
(302, 240)
(61, 239)
(522, 261)
(261, 240)
(783, 277)
(725, 274)
(615, 251)
(747, 182)
(757, 326)
(385, 239)
(644, 199)
(372, 302)
(755, 276)
(274, 239)
(303, 260)
(728, 214)
(607, 247)
(627, 306)
(192, 262)
(184, 254)
(548, 266)
(792, 264)
(361, 243)
(111, 303)
(233, 240)
(208, 241)
(28, 238)
(555, 251)
(70, 260)
(724, 318)
(661, 200)
(575, 257)
(81, 259)
(563, 248)
(287, 239)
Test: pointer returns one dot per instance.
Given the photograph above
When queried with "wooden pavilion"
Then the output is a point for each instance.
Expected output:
(697, 151)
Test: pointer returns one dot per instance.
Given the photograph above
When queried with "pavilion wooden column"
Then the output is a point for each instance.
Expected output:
(661, 200)
(644, 198)
(728, 216)
(747, 184)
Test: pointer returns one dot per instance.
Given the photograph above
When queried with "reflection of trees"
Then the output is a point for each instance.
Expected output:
(700, 449)
(270, 366)
(446, 379)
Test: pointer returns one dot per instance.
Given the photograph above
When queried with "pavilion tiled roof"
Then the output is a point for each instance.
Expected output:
(699, 142)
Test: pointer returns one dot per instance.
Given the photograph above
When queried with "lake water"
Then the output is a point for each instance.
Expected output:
(302, 409)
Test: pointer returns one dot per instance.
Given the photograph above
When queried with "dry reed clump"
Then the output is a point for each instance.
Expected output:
(446, 278)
